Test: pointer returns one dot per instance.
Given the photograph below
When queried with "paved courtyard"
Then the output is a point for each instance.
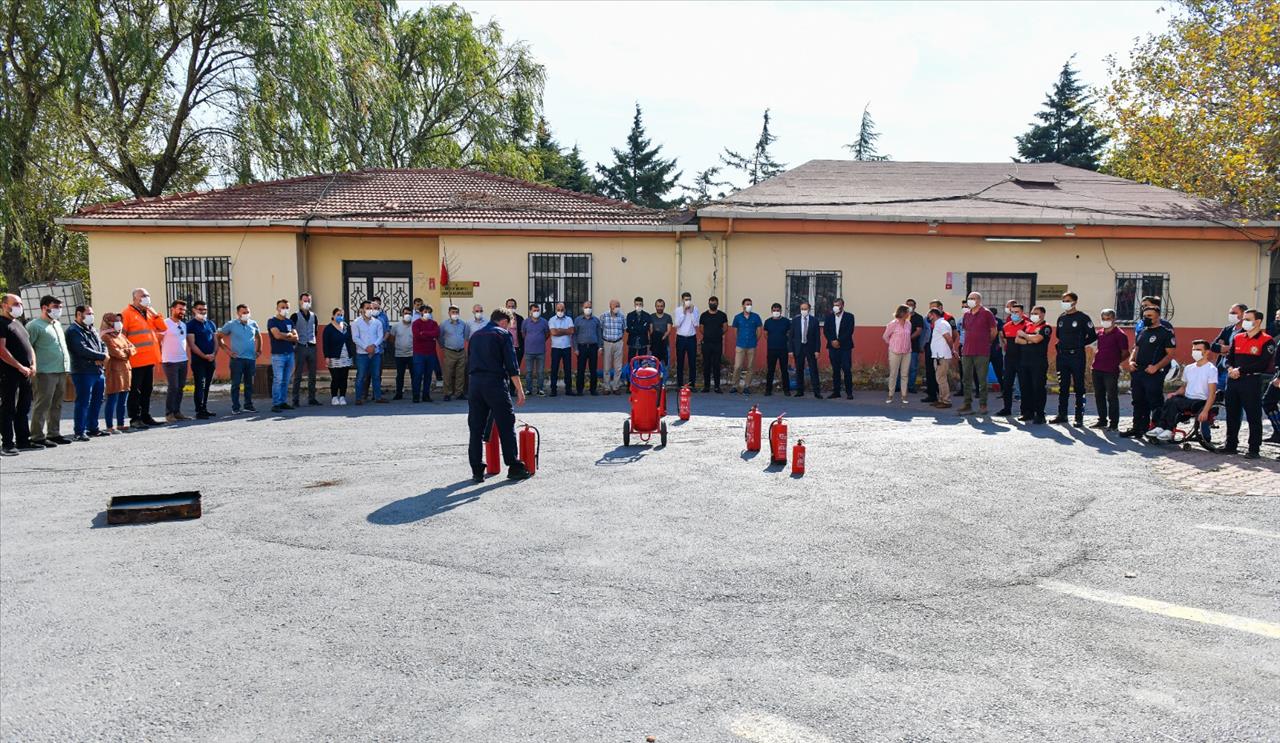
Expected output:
(930, 578)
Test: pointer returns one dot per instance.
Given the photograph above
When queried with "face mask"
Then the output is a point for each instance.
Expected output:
(1035, 318)
(55, 313)
(368, 314)
(713, 305)
(1247, 325)
(1015, 316)
(777, 314)
(971, 302)
(201, 316)
(586, 311)
(338, 319)
(479, 315)
(838, 309)
(639, 308)
(406, 318)
(513, 309)
(16, 310)
(688, 303)
(804, 313)
(283, 312)
(1151, 322)
(1067, 305)
(1106, 324)
(244, 318)
(306, 306)
(117, 326)
(1233, 318)
(145, 301)
(427, 315)
(559, 313)
(746, 309)
(535, 314)
(1197, 354)
(88, 320)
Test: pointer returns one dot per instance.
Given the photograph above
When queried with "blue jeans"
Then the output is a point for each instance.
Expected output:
(914, 372)
(368, 368)
(281, 373)
(117, 403)
(424, 365)
(89, 387)
(242, 370)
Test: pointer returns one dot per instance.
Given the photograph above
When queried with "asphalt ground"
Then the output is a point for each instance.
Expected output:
(930, 578)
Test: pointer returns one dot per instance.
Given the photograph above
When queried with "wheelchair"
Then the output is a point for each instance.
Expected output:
(1188, 429)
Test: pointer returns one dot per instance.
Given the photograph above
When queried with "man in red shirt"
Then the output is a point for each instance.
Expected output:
(1012, 356)
(980, 328)
(1251, 356)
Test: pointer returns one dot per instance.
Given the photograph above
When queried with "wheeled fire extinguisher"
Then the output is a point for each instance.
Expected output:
(778, 441)
(797, 458)
(686, 402)
(493, 452)
(753, 428)
(530, 440)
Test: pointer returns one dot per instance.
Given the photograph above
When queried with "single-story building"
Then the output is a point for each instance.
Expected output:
(872, 232)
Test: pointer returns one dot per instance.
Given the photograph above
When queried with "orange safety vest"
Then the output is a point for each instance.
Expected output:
(141, 329)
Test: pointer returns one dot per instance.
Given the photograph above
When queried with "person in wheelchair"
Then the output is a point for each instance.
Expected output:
(1199, 387)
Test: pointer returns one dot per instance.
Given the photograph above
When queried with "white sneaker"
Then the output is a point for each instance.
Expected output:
(342, 400)
(1165, 435)
(1155, 433)
(334, 401)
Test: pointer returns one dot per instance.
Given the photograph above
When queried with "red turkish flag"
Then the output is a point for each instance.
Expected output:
(444, 274)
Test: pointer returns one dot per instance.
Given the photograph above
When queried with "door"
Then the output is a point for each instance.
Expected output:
(998, 288)
(392, 281)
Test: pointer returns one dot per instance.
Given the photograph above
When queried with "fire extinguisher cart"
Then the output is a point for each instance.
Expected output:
(648, 377)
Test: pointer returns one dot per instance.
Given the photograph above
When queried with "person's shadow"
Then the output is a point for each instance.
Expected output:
(433, 502)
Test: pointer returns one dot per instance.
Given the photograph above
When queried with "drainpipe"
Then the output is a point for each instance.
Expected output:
(728, 231)
(679, 261)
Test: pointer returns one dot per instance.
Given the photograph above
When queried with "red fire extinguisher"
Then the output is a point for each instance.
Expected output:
(778, 441)
(686, 400)
(492, 452)
(530, 440)
(797, 458)
(753, 428)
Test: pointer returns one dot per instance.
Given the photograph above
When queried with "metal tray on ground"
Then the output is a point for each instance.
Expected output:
(142, 509)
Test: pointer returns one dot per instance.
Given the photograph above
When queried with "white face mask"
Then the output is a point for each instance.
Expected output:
(971, 302)
(535, 314)
(88, 320)
(1247, 325)
(1035, 318)
(804, 313)
(1067, 305)
(1106, 323)
(427, 315)
(453, 317)
(16, 310)
(368, 314)
(283, 311)
(55, 313)
(586, 311)
(839, 309)
(145, 301)
(479, 315)
(776, 313)
(406, 318)
(117, 326)
(639, 308)
(306, 306)
(244, 317)
(560, 313)
(746, 309)
(1233, 318)
(688, 303)
(1197, 354)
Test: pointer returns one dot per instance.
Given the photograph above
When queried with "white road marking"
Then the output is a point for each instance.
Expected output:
(1176, 611)
(762, 727)
(1239, 530)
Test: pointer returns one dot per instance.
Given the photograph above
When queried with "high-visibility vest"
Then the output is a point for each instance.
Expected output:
(141, 331)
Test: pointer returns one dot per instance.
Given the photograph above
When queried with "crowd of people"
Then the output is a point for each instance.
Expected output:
(113, 364)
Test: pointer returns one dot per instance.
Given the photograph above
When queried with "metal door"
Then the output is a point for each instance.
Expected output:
(391, 281)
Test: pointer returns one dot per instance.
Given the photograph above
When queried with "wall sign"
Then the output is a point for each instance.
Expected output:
(1050, 291)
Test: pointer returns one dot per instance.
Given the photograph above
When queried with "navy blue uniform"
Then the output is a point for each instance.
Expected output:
(1075, 331)
(1149, 347)
(491, 363)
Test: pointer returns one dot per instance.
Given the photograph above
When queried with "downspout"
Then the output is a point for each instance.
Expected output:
(728, 231)
(679, 261)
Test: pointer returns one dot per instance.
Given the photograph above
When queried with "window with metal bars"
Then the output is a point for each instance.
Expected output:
(1132, 287)
(195, 279)
(818, 288)
(560, 277)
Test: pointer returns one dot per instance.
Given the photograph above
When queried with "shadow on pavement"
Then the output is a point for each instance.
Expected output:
(433, 502)
(626, 454)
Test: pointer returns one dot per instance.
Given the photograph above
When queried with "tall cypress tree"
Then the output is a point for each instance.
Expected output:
(758, 165)
(864, 147)
(638, 174)
(566, 170)
(1065, 134)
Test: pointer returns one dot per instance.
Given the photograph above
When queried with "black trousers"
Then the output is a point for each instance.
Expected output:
(1009, 375)
(489, 403)
(588, 355)
(15, 407)
(1032, 371)
(304, 359)
(841, 366)
(930, 377)
(1148, 397)
(1106, 394)
(338, 381)
(139, 402)
(202, 378)
(1174, 407)
(562, 357)
(712, 360)
(403, 364)
(1070, 376)
(1244, 398)
(777, 356)
(686, 350)
(809, 359)
(659, 348)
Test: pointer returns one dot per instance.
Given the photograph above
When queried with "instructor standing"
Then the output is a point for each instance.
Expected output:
(491, 367)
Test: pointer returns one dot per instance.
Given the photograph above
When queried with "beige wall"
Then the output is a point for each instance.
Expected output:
(263, 265)
(322, 257)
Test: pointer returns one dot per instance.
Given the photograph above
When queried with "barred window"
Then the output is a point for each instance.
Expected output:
(560, 277)
(1132, 287)
(194, 279)
(818, 288)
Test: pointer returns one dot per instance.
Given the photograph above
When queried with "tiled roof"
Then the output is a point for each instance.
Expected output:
(390, 197)
(964, 192)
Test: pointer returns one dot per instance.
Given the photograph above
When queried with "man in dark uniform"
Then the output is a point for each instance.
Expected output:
(1148, 361)
(1248, 363)
(1012, 357)
(491, 366)
(1075, 332)
(1033, 364)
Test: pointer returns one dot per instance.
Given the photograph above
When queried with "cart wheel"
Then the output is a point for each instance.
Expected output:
(626, 432)
(662, 432)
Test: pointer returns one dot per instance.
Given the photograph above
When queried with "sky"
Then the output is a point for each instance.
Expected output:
(946, 81)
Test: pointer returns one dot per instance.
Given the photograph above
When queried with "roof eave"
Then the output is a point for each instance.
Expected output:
(197, 224)
(921, 218)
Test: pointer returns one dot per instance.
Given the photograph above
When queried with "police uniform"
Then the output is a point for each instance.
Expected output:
(1271, 398)
(1075, 332)
(1253, 356)
(491, 363)
(1148, 389)
(1012, 362)
(1033, 366)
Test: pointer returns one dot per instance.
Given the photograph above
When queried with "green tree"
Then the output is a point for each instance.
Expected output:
(1065, 133)
(574, 174)
(560, 168)
(638, 173)
(864, 146)
(1197, 107)
(706, 187)
(758, 165)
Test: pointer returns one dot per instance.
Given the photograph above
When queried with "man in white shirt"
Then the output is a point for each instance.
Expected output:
(1199, 385)
(686, 322)
(560, 326)
(940, 349)
(173, 358)
(478, 319)
(368, 335)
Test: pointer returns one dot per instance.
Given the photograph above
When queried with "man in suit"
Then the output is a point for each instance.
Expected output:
(804, 347)
(838, 328)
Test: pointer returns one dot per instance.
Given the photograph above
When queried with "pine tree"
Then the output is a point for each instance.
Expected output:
(759, 165)
(638, 174)
(574, 174)
(1065, 135)
(705, 187)
(864, 147)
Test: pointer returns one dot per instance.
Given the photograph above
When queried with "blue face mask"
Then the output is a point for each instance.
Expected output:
(1015, 316)
(338, 318)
